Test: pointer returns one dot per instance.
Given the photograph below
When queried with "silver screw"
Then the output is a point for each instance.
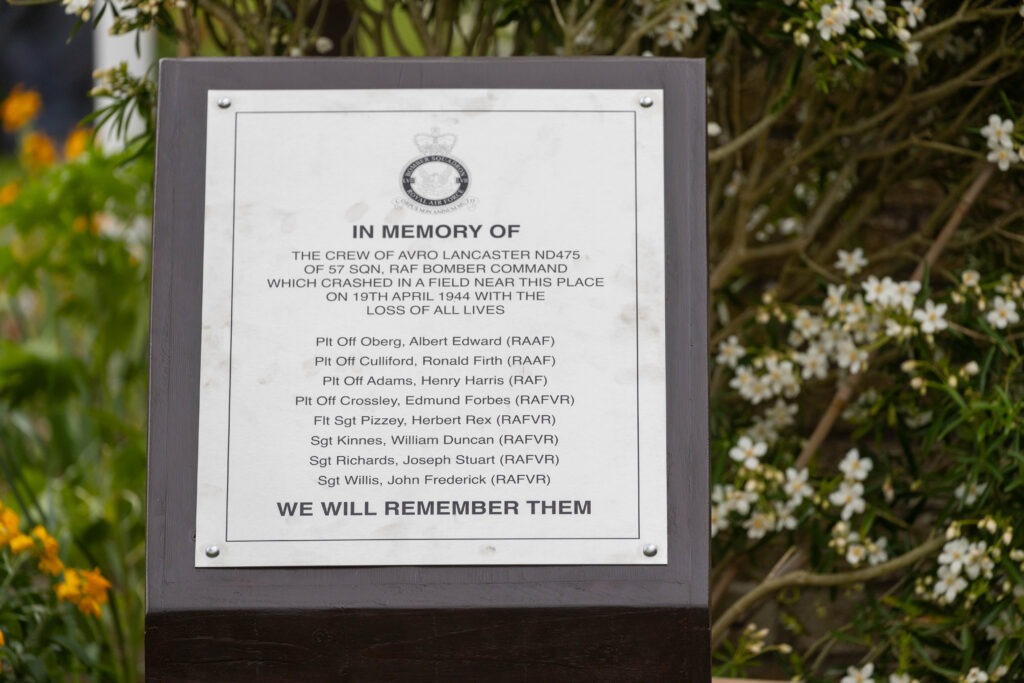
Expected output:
(214, 551)
(650, 550)
(225, 102)
(645, 102)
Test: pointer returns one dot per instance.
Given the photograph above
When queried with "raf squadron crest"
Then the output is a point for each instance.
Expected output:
(436, 179)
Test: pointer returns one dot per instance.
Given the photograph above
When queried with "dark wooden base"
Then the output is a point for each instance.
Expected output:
(472, 645)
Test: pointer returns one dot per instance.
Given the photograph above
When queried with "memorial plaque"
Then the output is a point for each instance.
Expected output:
(428, 395)
(433, 328)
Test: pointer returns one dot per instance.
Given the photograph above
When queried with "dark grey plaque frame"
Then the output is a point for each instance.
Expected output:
(537, 623)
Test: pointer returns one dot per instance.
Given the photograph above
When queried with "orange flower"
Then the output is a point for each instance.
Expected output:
(37, 151)
(8, 193)
(2, 641)
(77, 143)
(88, 596)
(49, 562)
(20, 107)
(96, 586)
(21, 543)
(49, 542)
(70, 588)
(52, 565)
(89, 607)
(8, 525)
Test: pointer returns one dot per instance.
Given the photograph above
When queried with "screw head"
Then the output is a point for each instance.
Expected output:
(224, 102)
(650, 550)
(646, 101)
(212, 551)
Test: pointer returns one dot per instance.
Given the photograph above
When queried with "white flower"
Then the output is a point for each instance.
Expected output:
(873, 12)
(881, 292)
(911, 49)
(977, 561)
(796, 486)
(743, 380)
(856, 553)
(969, 493)
(835, 18)
(790, 225)
(714, 130)
(730, 352)
(780, 377)
(748, 452)
(949, 585)
(762, 430)
(719, 520)
(901, 678)
(701, 7)
(673, 34)
(806, 324)
(850, 262)
(1003, 313)
(850, 496)
(760, 391)
(976, 675)
(784, 517)
(687, 19)
(998, 132)
(915, 12)
(78, 7)
(854, 311)
(832, 337)
(931, 317)
(834, 299)
(1003, 158)
(954, 553)
(324, 45)
(781, 414)
(759, 524)
(850, 357)
(897, 331)
(719, 493)
(829, 24)
(905, 292)
(740, 501)
(864, 674)
(878, 551)
(854, 467)
(814, 362)
(970, 278)
(845, 7)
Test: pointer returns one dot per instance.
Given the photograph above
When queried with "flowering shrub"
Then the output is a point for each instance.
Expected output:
(73, 270)
(934, 458)
(33, 627)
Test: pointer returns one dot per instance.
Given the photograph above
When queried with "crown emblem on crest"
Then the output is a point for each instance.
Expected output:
(434, 142)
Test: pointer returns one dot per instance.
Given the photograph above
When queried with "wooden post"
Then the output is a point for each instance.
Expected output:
(565, 622)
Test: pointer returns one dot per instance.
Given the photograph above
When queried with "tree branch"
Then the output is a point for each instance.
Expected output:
(810, 579)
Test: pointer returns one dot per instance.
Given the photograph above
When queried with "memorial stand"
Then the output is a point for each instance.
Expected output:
(554, 562)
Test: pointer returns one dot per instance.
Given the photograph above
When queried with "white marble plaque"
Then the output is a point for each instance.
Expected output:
(433, 329)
